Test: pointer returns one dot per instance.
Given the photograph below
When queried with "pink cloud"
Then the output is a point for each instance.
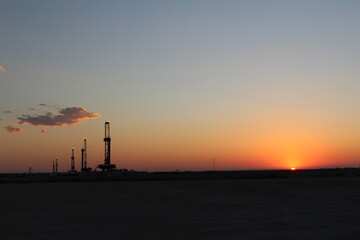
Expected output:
(2, 69)
(11, 130)
(66, 116)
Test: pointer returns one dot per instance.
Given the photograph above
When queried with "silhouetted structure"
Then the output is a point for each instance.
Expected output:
(107, 166)
(84, 167)
(83, 156)
(72, 161)
(56, 165)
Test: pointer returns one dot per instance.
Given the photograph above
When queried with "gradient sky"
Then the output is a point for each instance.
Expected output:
(253, 84)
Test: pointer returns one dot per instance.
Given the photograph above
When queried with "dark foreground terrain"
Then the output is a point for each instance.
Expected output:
(280, 208)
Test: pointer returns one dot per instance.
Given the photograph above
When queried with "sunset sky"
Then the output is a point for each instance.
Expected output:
(253, 84)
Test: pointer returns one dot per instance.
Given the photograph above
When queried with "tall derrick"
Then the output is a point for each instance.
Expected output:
(107, 166)
(107, 141)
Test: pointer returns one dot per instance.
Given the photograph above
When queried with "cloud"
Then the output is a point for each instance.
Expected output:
(66, 116)
(33, 109)
(2, 69)
(7, 111)
(47, 105)
(10, 129)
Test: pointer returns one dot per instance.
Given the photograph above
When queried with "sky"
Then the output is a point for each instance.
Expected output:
(251, 84)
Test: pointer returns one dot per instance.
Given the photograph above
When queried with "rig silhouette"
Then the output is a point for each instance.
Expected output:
(84, 167)
(107, 166)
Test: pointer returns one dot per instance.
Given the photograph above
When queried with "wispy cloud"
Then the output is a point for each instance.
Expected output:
(7, 111)
(48, 105)
(66, 116)
(33, 109)
(11, 130)
(2, 69)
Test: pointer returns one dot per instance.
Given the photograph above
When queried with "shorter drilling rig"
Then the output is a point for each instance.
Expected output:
(84, 167)
(72, 163)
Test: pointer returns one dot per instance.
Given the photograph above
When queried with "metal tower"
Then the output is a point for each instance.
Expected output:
(83, 158)
(72, 160)
(56, 165)
(85, 154)
(107, 165)
(107, 140)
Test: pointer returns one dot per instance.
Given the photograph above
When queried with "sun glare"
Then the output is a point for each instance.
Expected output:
(293, 169)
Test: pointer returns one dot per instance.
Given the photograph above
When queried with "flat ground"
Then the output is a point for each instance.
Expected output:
(319, 208)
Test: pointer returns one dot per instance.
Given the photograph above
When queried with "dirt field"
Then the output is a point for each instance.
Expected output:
(322, 208)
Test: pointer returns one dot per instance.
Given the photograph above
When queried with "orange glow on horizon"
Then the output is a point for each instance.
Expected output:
(186, 148)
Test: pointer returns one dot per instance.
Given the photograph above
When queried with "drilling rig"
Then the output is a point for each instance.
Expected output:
(84, 167)
(107, 166)
(72, 161)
